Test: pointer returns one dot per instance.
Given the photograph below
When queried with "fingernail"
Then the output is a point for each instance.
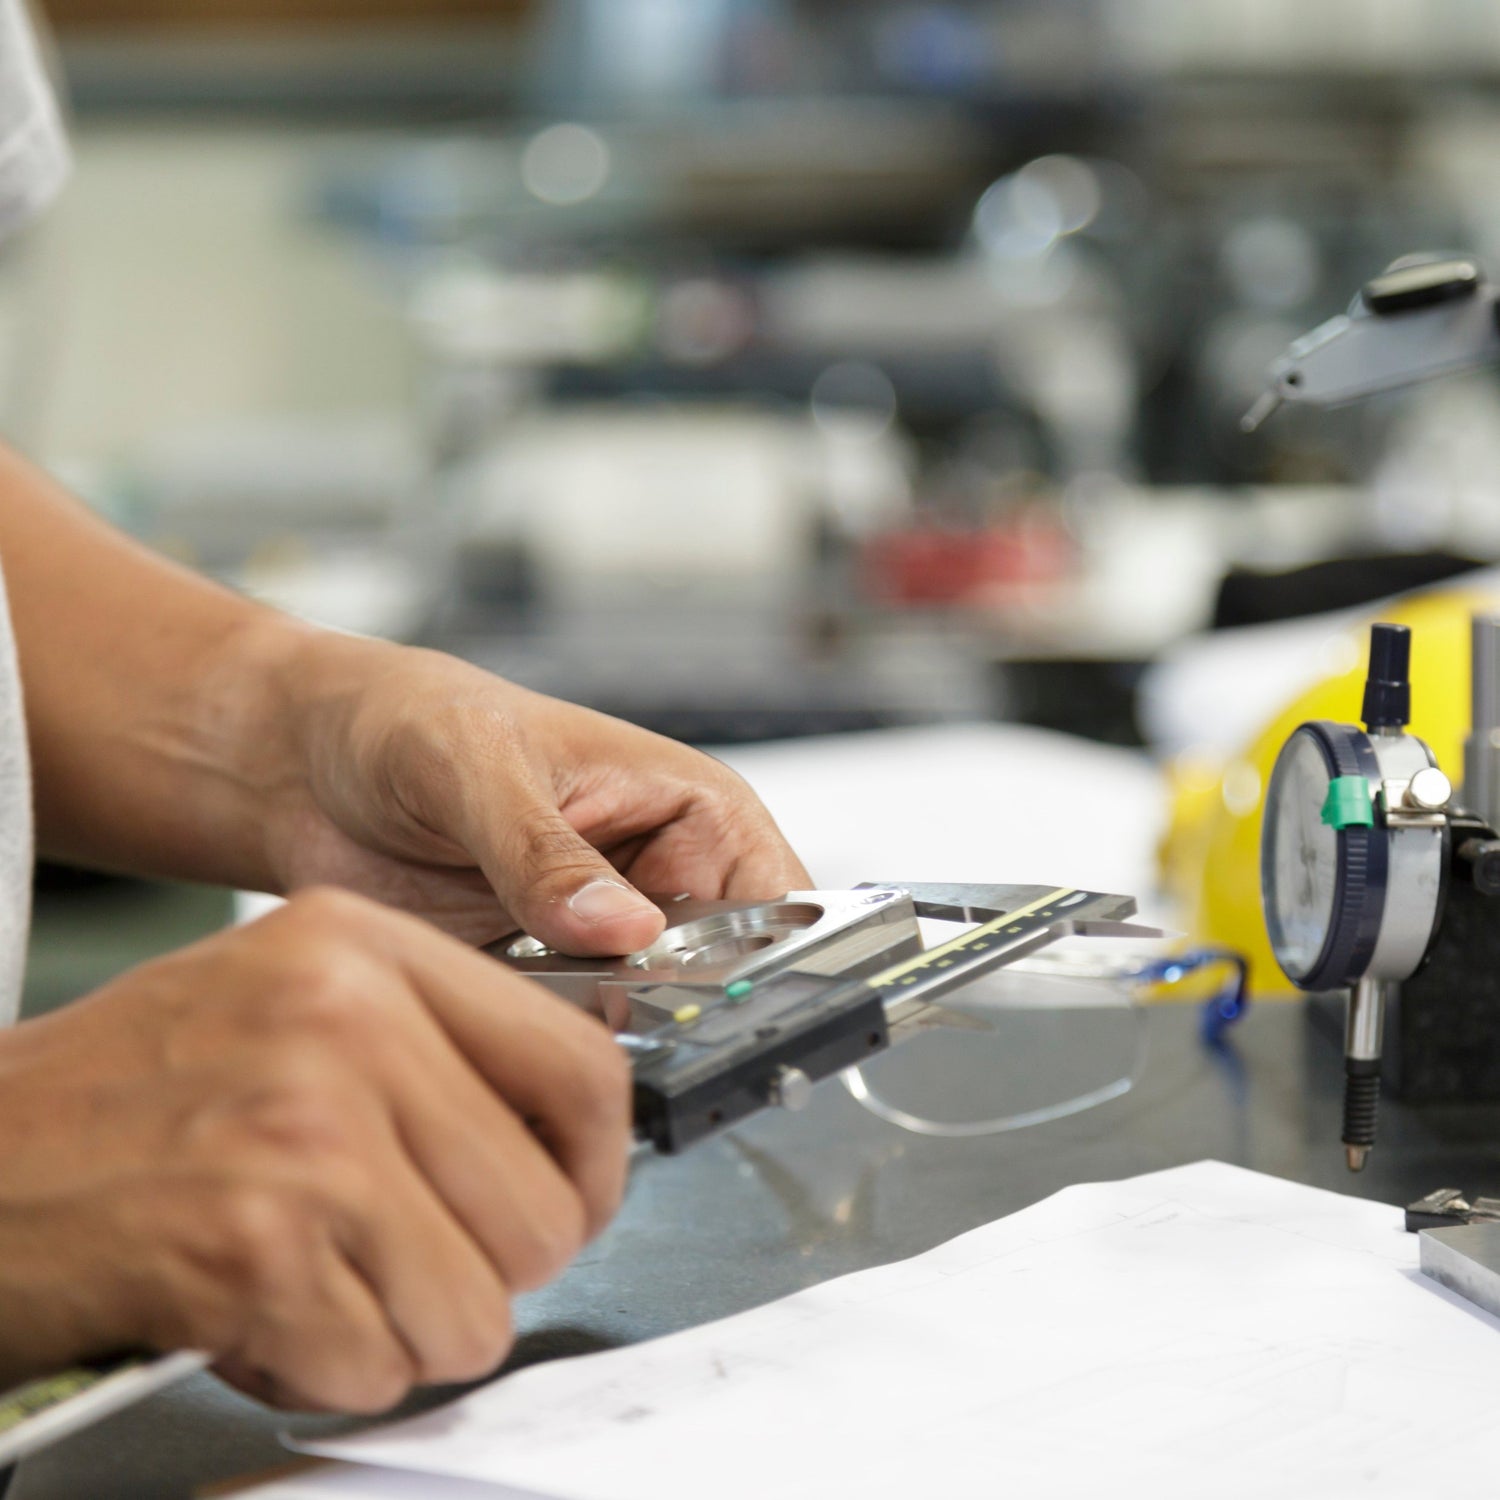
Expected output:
(604, 900)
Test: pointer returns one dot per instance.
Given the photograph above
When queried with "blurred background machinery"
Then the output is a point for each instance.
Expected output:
(772, 369)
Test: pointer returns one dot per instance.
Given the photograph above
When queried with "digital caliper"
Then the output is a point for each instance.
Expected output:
(743, 1005)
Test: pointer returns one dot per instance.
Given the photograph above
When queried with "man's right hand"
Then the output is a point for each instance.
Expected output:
(327, 1147)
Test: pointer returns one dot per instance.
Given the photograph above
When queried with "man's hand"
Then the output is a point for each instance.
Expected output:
(433, 786)
(328, 1148)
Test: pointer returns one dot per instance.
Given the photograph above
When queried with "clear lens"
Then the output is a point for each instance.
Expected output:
(1056, 1035)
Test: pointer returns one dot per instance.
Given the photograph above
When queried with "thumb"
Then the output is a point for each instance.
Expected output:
(557, 886)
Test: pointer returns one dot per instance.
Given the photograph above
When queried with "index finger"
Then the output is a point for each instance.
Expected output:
(729, 849)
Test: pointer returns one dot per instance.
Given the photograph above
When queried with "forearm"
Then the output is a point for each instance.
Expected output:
(150, 695)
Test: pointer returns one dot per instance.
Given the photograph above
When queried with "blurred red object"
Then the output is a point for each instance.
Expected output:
(933, 563)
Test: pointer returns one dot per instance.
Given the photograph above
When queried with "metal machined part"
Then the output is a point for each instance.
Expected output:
(709, 945)
(1466, 1260)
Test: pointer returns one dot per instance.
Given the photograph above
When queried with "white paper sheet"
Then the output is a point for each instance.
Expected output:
(1205, 1330)
(982, 802)
(358, 1482)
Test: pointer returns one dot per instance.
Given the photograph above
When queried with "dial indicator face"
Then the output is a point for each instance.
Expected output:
(1300, 869)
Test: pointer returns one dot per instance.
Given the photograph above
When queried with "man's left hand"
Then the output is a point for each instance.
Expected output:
(433, 786)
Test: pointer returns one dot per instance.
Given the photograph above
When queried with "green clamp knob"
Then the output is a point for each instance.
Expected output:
(1348, 803)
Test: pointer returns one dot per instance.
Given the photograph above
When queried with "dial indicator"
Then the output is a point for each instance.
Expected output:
(1300, 871)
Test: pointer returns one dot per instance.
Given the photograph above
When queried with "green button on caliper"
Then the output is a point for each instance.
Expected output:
(1348, 803)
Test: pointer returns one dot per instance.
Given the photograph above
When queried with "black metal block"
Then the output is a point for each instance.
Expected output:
(1442, 1041)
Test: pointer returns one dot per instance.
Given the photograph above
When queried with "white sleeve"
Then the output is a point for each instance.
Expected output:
(34, 156)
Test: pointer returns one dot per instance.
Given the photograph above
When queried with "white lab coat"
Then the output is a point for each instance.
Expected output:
(33, 165)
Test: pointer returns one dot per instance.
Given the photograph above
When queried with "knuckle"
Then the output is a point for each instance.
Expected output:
(315, 993)
(331, 1008)
(741, 814)
(374, 1384)
(570, 1230)
(719, 783)
(264, 1233)
(555, 1232)
(362, 1376)
(482, 1337)
(297, 1114)
(329, 908)
(727, 785)
(600, 1115)
(172, 1316)
(554, 848)
(601, 1077)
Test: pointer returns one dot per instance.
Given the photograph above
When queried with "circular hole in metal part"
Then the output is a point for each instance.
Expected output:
(528, 947)
(725, 937)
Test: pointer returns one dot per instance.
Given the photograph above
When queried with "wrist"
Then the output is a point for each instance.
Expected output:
(314, 681)
(248, 733)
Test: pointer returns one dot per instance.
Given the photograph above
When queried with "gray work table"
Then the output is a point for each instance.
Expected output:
(786, 1201)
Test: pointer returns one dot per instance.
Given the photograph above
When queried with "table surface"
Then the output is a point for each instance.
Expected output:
(786, 1201)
